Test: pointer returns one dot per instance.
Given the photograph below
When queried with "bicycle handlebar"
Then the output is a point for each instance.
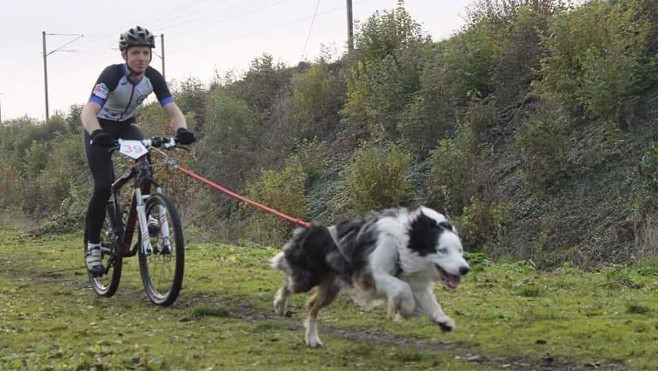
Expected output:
(137, 148)
(153, 142)
(164, 142)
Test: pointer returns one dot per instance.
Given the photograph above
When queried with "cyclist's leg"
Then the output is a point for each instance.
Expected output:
(100, 164)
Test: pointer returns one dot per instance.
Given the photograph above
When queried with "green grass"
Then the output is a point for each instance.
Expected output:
(507, 316)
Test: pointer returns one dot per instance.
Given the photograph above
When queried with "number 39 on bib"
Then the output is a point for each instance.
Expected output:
(132, 148)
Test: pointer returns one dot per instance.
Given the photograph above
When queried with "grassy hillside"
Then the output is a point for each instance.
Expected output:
(533, 128)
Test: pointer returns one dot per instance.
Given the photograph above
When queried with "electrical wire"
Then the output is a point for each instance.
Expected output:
(315, 13)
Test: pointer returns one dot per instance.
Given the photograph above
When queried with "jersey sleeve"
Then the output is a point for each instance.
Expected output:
(160, 87)
(107, 81)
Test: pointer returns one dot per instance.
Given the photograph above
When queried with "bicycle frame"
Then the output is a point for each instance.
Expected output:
(161, 247)
(141, 173)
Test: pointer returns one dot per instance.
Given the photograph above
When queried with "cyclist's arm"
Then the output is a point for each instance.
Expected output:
(166, 99)
(88, 117)
(175, 115)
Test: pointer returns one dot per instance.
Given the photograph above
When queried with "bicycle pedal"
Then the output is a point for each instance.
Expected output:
(97, 274)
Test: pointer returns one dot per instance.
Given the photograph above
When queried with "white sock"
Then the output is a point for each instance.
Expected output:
(91, 246)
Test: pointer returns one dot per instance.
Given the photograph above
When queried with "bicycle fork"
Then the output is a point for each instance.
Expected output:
(146, 247)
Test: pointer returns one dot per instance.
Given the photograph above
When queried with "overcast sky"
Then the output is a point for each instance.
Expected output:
(202, 37)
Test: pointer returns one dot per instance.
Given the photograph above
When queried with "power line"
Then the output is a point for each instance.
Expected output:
(282, 25)
(45, 61)
(62, 34)
(202, 21)
(315, 13)
(196, 14)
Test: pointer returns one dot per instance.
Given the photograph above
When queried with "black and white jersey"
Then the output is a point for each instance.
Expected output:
(119, 97)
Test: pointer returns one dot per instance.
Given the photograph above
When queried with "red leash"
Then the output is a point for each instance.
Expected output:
(242, 198)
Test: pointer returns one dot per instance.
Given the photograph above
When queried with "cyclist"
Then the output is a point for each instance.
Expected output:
(109, 115)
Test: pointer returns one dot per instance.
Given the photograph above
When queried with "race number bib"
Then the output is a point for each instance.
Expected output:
(133, 148)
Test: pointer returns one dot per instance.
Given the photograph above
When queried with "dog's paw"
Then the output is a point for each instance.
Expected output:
(393, 307)
(399, 306)
(279, 307)
(445, 323)
(312, 338)
(280, 302)
(314, 342)
(407, 307)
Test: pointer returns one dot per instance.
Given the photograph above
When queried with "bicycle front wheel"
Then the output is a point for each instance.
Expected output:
(163, 265)
(107, 284)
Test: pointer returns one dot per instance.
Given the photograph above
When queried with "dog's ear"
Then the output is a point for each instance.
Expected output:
(426, 221)
(447, 226)
(442, 222)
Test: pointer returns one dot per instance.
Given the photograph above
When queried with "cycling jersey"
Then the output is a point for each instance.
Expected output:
(119, 97)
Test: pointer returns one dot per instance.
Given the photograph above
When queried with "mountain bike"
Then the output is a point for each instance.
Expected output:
(152, 215)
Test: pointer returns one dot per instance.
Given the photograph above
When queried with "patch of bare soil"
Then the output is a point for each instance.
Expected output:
(244, 310)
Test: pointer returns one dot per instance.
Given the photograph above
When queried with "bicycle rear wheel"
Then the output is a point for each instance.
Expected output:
(162, 268)
(108, 283)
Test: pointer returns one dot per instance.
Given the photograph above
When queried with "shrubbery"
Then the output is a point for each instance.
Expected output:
(377, 178)
(283, 190)
(597, 58)
(482, 222)
(451, 184)
(543, 143)
(526, 101)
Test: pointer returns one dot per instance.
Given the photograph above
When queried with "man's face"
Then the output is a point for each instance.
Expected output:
(137, 58)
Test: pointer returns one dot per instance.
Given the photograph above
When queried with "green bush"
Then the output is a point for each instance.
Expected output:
(227, 148)
(649, 167)
(619, 69)
(11, 185)
(482, 222)
(432, 113)
(377, 177)
(191, 97)
(385, 78)
(543, 143)
(451, 185)
(472, 61)
(282, 190)
(597, 58)
(65, 183)
(318, 94)
(311, 155)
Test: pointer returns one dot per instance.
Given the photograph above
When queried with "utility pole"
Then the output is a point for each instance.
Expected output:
(45, 61)
(45, 71)
(163, 55)
(350, 27)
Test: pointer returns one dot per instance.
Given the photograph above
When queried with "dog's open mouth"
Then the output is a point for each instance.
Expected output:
(449, 281)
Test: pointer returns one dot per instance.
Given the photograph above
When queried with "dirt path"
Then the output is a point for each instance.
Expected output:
(245, 310)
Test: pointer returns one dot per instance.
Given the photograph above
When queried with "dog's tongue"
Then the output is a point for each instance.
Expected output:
(453, 281)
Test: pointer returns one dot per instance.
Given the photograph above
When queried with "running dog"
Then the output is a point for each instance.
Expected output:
(394, 256)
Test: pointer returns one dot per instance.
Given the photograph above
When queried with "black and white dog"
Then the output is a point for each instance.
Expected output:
(396, 255)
